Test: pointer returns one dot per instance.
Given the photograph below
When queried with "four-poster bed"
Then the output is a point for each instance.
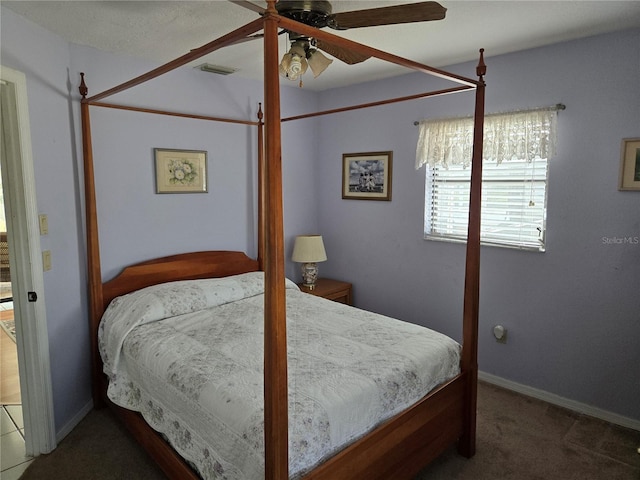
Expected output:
(401, 445)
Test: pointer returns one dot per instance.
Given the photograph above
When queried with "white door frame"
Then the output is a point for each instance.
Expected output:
(25, 260)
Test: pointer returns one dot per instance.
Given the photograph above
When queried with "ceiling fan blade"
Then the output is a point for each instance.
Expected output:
(347, 56)
(249, 38)
(408, 13)
(255, 36)
(251, 6)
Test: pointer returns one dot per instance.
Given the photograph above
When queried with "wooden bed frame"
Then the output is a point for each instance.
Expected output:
(403, 445)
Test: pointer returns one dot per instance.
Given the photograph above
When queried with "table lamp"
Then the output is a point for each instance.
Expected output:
(308, 250)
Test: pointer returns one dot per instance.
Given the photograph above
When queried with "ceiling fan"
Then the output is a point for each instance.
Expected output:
(305, 51)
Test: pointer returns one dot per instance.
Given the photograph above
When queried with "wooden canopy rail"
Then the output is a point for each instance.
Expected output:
(379, 103)
(173, 114)
(400, 447)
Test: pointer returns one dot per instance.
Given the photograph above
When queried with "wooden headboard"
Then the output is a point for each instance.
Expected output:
(186, 266)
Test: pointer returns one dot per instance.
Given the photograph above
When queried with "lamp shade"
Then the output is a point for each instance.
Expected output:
(317, 62)
(294, 62)
(308, 249)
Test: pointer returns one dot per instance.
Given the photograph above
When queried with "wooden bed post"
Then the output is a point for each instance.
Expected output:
(469, 364)
(93, 245)
(275, 333)
(261, 189)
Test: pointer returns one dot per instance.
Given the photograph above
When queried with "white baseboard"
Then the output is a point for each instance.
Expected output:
(561, 401)
(71, 424)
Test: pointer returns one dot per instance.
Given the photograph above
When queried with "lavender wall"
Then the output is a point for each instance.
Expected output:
(573, 313)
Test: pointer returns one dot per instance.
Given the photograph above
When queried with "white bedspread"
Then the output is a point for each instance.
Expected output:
(189, 357)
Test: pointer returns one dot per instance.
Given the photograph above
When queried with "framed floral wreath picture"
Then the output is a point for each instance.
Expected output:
(181, 171)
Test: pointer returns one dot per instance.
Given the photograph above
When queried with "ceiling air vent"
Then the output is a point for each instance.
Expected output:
(207, 67)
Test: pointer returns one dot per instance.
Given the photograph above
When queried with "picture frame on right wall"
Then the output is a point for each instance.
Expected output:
(630, 165)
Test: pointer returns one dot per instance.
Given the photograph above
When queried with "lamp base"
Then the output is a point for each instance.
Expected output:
(309, 275)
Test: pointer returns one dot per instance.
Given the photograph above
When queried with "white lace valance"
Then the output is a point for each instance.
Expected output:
(507, 136)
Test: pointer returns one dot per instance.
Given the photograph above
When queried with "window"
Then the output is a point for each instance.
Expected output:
(516, 149)
(513, 203)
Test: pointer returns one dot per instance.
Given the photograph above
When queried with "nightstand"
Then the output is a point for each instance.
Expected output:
(331, 289)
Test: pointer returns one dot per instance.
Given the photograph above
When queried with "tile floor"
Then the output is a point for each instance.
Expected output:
(13, 459)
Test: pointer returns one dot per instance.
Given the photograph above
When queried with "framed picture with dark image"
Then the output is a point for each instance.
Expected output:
(367, 176)
(630, 165)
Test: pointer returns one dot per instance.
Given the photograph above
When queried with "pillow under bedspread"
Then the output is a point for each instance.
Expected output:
(198, 377)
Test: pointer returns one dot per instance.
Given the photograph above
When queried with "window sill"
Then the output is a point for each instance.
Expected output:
(525, 248)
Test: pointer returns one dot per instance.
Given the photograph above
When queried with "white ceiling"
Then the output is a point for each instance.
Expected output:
(163, 30)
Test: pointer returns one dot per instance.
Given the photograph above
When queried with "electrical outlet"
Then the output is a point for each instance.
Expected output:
(500, 333)
(46, 260)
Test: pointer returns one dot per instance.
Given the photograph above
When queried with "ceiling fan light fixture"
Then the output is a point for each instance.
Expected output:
(317, 61)
(294, 63)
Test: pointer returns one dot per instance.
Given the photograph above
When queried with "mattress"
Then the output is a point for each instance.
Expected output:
(188, 356)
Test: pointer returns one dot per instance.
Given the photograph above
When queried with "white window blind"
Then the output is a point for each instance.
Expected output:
(516, 149)
(513, 211)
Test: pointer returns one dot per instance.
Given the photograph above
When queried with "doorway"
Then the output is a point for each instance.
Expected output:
(9, 378)
(12, 444)
(25, 265)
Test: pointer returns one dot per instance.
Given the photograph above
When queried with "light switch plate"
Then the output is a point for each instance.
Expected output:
(44, 224)
(46, 260)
